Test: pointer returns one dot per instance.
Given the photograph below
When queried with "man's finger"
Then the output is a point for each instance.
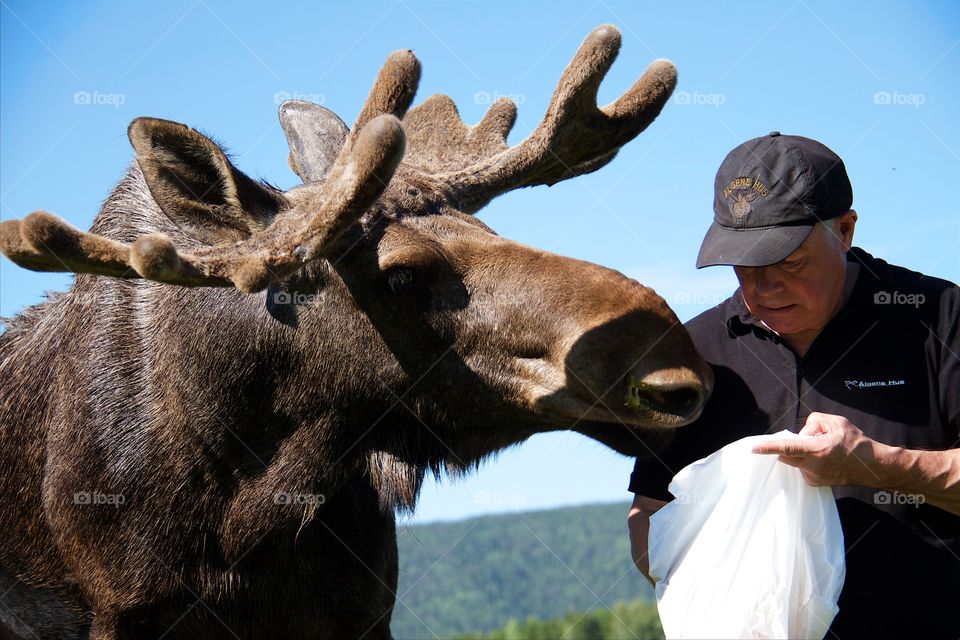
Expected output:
(784, 447)
(813, 427)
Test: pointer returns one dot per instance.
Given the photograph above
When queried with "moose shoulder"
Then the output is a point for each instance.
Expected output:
(208, 435)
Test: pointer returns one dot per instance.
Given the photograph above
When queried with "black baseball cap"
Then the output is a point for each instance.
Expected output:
(769, 194)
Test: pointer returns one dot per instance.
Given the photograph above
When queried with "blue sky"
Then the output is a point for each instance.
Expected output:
(877, 82)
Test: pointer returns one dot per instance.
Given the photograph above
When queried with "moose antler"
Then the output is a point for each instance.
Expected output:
(474, 165)
(361, 172)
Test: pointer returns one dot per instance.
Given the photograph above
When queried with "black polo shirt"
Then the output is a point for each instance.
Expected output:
(889, 362)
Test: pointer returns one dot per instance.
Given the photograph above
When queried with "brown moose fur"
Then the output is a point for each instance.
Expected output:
(330, 346)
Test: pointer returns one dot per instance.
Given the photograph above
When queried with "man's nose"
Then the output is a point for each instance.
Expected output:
(768, 281)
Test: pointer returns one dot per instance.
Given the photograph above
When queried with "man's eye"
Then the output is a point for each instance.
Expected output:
(793, 265)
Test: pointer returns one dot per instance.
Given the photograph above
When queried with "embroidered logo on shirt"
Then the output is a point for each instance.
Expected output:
(862, 384)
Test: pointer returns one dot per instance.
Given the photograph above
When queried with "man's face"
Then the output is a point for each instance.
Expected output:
(797, 296)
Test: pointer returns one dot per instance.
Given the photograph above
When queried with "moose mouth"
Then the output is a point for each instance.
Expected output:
(631, 402)
(663, 409)
(640, 423)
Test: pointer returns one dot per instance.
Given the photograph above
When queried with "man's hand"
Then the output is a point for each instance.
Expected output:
(638, 521)
(838, 453)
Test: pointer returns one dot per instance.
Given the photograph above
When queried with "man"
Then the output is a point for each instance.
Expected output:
(824, 339)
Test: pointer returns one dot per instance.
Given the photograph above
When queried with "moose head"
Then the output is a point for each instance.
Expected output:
(364, 324)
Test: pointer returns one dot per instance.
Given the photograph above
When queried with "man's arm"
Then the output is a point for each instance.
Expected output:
(638, 522)
(935, 474)
(841, 454)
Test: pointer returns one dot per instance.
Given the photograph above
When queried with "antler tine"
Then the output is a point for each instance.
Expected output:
(393, 90)
(575, 136)
(316, 135)
(43, 242)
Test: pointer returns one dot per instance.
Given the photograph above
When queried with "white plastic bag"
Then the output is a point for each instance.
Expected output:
(747, 549)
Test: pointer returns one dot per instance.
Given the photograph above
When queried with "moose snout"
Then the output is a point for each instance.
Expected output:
(640, 366)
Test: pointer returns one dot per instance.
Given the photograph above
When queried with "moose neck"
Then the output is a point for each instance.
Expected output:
(238, 406)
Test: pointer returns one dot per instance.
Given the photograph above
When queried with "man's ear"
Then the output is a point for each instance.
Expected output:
(197, 186)
(846, 224)
(315, 135)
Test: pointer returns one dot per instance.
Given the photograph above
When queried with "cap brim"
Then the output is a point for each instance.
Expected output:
(750, 247)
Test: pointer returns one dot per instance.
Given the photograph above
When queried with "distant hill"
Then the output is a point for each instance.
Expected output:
(475, 575)
(637, 620)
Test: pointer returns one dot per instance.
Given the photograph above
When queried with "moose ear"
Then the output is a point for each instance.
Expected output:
(315, 135)
(195, 184)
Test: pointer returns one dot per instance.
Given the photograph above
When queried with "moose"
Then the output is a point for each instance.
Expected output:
(209, 435)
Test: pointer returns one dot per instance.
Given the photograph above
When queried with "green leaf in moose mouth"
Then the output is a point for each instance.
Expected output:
(633, 399)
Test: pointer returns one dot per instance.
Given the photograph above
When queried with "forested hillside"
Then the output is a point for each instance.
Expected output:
(474, 576)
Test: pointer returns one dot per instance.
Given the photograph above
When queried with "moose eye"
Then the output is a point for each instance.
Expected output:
(399, 279)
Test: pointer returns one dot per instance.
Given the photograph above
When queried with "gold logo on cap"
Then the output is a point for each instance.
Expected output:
(741, 192)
